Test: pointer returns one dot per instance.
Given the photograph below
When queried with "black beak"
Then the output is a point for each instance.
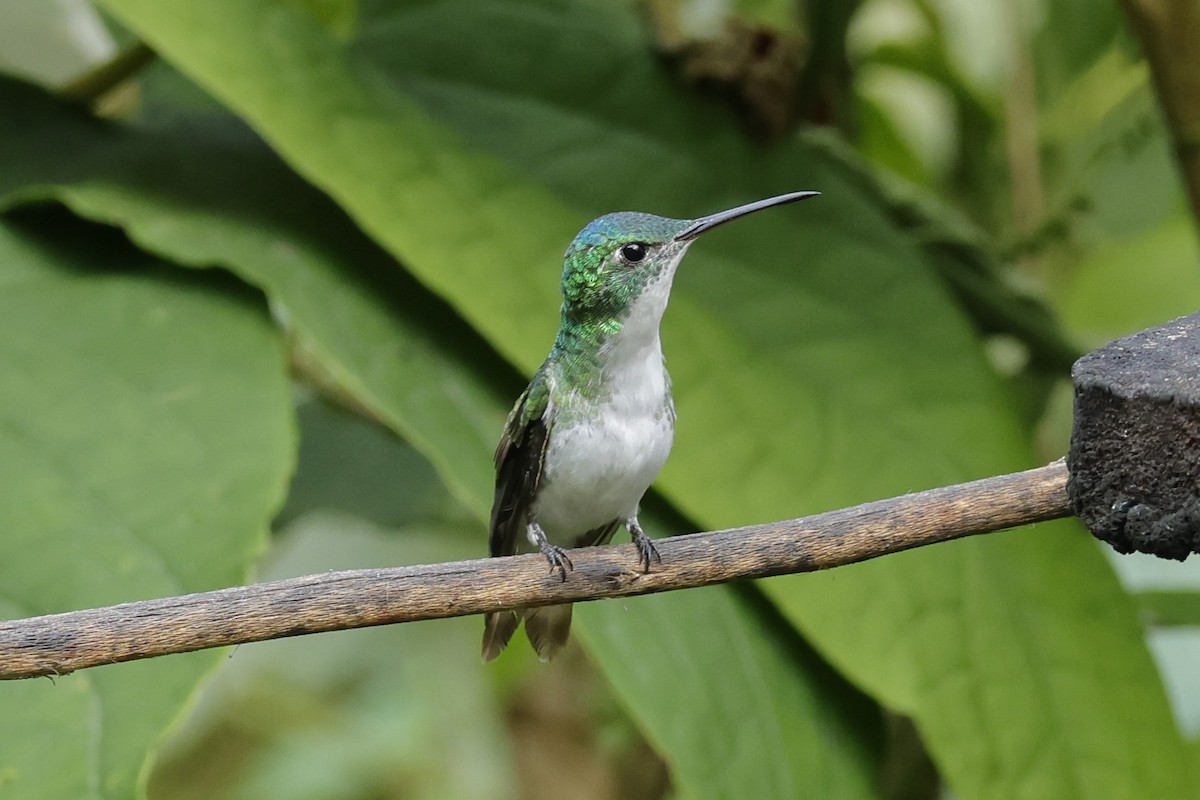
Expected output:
(703, 224)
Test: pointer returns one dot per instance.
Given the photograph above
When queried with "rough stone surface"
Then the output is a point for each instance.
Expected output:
(1135, 450)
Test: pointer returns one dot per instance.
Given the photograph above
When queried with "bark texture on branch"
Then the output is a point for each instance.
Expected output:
(61, 643)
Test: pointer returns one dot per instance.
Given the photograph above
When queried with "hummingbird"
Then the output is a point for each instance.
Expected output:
(590, 433)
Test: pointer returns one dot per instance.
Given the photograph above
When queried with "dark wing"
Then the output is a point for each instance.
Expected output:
(519, 460)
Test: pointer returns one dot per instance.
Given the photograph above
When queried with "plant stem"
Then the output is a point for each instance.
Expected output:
(102, 79)
(1169, 31)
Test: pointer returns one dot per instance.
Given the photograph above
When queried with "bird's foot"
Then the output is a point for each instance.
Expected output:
(557, 557)
(554, 554)
(647, 552)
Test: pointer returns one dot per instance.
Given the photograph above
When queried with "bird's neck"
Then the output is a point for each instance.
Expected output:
(594, 357)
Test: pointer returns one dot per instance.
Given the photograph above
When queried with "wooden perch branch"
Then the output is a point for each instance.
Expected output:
(61, 643)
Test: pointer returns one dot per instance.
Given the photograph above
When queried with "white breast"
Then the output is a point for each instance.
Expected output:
(600, 462)
(597, 473)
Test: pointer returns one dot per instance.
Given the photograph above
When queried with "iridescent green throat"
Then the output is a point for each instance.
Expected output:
(578, 351)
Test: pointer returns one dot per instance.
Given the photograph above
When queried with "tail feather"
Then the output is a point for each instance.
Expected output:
(498, 628)
(548, 628)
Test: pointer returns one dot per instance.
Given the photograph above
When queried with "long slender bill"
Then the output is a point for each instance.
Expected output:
(721, 217)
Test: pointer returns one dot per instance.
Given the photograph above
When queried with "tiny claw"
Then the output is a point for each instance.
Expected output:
(646, 550)
(558, 559)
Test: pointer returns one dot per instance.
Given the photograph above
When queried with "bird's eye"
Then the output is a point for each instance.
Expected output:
(633, 253)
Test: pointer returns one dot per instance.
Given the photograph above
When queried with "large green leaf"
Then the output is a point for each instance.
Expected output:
(205, 192)
(382, 712)
(145, 441)
(737, 676)
(1137, 282)
(817, 361)
(838, 305)
(379, 712)
(413, 368)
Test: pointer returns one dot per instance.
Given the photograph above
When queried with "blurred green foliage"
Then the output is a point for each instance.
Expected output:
(374, 196)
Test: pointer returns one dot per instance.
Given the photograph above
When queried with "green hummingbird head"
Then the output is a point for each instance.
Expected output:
(613, 260)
